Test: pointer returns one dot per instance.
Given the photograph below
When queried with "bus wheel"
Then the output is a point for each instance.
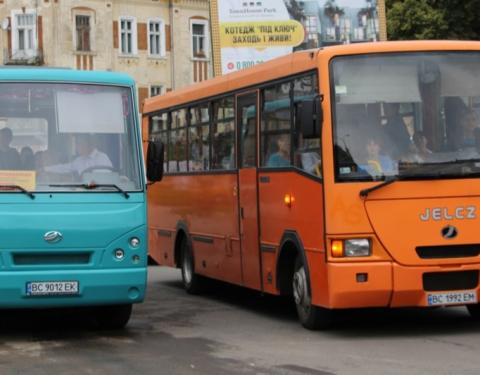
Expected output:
(113, 317)
(191, 281)
(311, 317)
(474, 311)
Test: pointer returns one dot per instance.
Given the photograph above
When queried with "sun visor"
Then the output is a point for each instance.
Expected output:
(376, 83)
(460, 79)
(100, 112)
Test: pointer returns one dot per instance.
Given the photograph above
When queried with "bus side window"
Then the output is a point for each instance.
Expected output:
(177, 148)
(307, 151)
(199, 138)
(223, 142)
(159, 132)
(276, 126)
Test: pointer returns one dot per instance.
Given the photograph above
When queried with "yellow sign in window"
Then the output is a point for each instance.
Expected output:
(25, 179)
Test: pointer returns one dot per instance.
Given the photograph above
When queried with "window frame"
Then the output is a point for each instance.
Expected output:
(206, 41)
(152, 88)
(90, 33)
(161, 35)
(133, 20)
(212, 121)
(30, 52)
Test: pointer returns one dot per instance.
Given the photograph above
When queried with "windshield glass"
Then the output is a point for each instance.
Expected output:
(67, 134)
(411, 115)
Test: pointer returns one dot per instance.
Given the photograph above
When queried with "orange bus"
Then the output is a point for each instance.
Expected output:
(345, 177)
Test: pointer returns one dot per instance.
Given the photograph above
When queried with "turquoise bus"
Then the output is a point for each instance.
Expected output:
(72, 193)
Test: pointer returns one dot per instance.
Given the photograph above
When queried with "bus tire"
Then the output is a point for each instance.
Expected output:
(113, 317)
(474, 311)
(191, 281)
(310, 316)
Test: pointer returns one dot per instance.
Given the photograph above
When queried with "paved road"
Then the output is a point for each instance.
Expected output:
(234, 331)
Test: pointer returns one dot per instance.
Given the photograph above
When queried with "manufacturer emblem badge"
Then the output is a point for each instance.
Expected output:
(449, 232)
(53, 236)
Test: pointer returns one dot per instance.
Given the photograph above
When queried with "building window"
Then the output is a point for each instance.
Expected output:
(198, 30)
(24, 33)
(156, 38)
(156, 90)
(311, 29)
(128, 36)
(82, 26)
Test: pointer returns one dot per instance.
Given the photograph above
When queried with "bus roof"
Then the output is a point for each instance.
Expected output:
(27, 74)
(293, 63)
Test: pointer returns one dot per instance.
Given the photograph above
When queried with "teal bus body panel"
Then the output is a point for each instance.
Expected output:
(97, 287)
(93, 226)
(64, 75)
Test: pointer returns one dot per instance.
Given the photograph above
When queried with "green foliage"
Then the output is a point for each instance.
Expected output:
(433, 19)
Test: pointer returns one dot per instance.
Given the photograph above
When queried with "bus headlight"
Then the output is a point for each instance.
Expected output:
(134, 242)
(358, 247)
(119, 254)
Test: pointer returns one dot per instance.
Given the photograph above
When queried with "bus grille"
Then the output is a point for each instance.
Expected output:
(458, 280)
(35, 259)
(448, 251)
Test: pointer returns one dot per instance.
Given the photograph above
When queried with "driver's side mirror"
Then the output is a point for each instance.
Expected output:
(155, 161)
(309, 117)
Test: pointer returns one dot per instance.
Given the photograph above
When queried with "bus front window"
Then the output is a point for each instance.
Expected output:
(412, 115)
(58, 137)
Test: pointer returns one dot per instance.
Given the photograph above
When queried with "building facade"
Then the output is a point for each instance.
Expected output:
(162, 44)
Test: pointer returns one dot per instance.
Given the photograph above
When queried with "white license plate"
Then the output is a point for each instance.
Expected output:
(452, 298)
(52, 288)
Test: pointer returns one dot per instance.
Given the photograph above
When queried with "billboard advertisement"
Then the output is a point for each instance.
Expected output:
(253, 31)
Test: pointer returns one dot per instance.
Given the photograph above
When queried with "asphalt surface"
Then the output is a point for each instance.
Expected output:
(230, 330)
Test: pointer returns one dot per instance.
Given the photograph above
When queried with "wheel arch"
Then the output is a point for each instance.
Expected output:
(291, 246)
(180, 233)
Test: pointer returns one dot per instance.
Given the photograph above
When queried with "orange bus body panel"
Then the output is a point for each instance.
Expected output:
(322, 210)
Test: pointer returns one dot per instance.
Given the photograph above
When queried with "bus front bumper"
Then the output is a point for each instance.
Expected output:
(385, 284)
(95, 287)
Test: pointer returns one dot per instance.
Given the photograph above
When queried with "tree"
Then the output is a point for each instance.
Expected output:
(433, 19)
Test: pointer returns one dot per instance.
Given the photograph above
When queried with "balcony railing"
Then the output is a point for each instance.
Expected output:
(22, 57)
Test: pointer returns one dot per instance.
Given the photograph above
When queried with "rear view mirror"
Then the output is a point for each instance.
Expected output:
(155, 161)
(309, 117)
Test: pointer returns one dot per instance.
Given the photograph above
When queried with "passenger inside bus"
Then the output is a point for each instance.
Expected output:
(377, 163)
(422, 152)
(9, 156)
(281, 158)
(88, 158)
(27, 158)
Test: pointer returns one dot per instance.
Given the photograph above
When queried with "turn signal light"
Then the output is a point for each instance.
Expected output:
(337, 248)
(289, 199)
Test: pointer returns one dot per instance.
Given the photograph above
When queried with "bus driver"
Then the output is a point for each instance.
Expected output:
(88, 157)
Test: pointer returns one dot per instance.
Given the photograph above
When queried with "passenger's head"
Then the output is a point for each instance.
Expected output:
(283, 143)
(373, 146)
(470, 120)
(84, 144)
(6, 137)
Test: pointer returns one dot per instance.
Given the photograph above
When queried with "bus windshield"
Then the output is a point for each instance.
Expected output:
(64, 137)
(406, 115)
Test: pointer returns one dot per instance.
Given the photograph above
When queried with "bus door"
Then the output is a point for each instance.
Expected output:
(247, 125)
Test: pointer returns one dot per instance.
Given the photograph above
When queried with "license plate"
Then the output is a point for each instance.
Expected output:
(452, 298)
(52, 288)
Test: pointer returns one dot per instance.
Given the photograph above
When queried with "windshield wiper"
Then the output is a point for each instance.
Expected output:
(17, 187)
(93, 186)
(389, 180)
